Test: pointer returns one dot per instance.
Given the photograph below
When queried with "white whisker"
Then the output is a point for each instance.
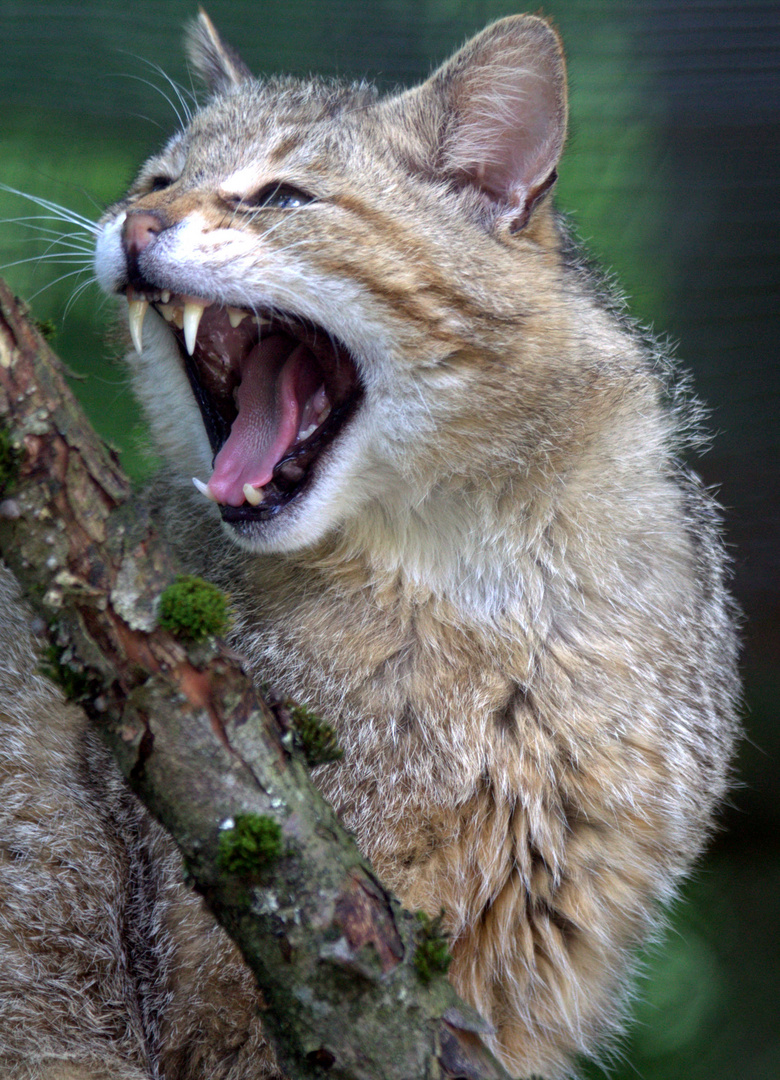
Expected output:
(76, 294)
(62, 213)
(50, 284)
(160, 91)
(52, 256)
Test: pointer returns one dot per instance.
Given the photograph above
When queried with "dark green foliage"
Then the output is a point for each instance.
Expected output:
(9, 463)
(193, 609)
(317, 739)
(432, 956)
(252, 843)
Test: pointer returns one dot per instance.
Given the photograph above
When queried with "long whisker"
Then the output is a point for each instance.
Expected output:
(76, 294)
(67, 240)
(62, 213)
(52, 256)
(182, 93)
(160, 91)
(50, 284)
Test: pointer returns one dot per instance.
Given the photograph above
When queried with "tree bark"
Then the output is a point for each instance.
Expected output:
(332, 952)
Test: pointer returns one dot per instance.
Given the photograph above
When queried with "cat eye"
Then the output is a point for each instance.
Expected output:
(277, 197)
(158, 183)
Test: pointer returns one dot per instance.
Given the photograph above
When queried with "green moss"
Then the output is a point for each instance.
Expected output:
(47, 328)
(252, 843)
(317, 739)
(76, 684)
(432, 956)
(9, 463)
(193, 609)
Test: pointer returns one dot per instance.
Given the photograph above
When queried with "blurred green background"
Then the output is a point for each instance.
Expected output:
(671, 177)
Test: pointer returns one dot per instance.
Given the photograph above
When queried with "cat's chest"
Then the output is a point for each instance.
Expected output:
(394, 670)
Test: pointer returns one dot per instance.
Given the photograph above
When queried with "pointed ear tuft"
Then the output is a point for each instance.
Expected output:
(505, 95)
(218, 65)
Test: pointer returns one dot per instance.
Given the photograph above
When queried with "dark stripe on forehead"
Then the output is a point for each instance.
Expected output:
(279, 152)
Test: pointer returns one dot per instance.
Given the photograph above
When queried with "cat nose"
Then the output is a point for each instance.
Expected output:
(140, 229)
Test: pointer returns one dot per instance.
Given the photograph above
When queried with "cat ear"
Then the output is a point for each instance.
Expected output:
(218, 65)
(505, 95)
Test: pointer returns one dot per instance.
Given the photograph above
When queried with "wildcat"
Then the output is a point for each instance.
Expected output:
(439, 472)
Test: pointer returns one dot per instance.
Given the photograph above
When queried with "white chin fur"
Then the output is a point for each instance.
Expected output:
(109, 257)
(162, 386)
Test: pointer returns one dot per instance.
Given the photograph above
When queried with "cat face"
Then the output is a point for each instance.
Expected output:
(324, 291)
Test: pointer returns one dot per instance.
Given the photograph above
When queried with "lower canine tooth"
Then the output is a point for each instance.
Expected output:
(137, 311)
(192, 317)
(254, 496)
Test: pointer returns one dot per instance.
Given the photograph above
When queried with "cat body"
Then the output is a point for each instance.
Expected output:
(445, 496)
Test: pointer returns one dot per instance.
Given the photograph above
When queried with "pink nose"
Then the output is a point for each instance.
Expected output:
(139, 230)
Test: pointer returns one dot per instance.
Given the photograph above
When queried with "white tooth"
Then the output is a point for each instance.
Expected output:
(305, 434)
(319, 399)
(236, 316)
(192, 316)
(254, 496)
(137, 310)
(165, 296)
(203, 489)
(172, 314)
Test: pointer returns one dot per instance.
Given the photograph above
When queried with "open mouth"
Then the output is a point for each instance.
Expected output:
(274, 392)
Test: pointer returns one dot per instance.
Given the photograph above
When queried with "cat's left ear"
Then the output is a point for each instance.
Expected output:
(218, 65)
(505, 112)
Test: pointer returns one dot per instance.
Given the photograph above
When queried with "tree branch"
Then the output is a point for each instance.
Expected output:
(333, 953)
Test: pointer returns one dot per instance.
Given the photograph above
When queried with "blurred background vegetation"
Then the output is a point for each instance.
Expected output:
(671, 178)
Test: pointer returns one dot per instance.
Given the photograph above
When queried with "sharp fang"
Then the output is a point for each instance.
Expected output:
(254, 496)
(137, 311)
(192, 316)
(202, 488)
(236, 316)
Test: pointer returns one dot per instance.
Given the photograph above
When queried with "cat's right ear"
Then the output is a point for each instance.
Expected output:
(218, 65)
(501, 107)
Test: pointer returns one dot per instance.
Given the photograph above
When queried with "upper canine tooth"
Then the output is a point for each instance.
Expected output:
(236, 316)
(192, 316)
(137, 311)
(203, 489)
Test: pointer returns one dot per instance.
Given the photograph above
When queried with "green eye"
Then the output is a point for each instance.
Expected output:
(279, 197)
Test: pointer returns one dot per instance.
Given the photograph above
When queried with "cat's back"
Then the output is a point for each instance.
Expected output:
(109, 966)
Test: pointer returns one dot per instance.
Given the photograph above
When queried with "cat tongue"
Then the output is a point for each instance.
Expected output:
(277, 378)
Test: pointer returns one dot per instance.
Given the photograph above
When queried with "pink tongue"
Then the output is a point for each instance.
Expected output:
(275, 384)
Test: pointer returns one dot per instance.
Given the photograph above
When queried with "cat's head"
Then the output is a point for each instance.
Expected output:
(333, 297)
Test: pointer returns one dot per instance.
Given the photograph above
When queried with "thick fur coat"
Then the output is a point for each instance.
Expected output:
(489, 571)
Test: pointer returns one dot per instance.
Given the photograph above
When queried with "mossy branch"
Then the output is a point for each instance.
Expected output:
(210, 758)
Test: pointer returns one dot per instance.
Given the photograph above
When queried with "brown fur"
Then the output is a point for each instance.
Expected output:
(511, 604)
